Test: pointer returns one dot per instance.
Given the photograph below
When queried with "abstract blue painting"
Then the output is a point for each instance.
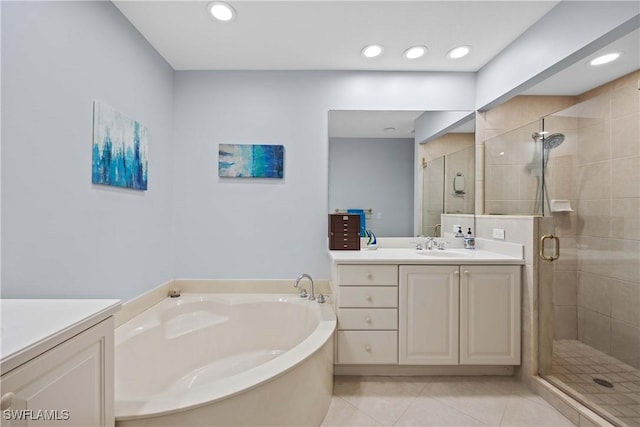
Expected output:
(250, 161)
(119, 149)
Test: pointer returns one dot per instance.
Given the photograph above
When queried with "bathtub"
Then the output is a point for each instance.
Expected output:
(225, 359)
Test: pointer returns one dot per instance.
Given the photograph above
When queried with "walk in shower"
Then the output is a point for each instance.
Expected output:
(579, 170)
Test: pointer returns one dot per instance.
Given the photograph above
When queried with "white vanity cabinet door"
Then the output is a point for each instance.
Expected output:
(490, 315)
(75, 376)
(428, 315)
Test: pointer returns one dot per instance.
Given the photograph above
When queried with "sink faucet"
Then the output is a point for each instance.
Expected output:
(430, 242)
(312, 296)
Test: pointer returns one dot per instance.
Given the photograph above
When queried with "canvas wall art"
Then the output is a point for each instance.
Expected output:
(119, 149)
(251, 161)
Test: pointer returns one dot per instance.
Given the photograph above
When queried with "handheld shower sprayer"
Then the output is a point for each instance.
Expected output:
(538, 166)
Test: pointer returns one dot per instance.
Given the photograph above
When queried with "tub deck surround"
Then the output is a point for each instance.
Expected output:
(137, 305)
(32, 326)
(213, 351)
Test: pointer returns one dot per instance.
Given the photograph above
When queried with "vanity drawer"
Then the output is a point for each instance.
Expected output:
(368, 296)
(368, 318)
(368, 275)
(365, 347)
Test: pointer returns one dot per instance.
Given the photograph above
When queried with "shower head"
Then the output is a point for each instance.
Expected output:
(552, 141)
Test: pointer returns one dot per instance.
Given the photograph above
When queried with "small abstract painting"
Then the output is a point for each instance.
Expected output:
(119, 149)
(250, 161)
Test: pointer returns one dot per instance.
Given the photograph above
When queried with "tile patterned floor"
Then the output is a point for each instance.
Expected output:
(576, 364)
(437, 401)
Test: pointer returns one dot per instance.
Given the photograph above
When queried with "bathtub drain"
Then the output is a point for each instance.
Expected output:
(603, 382)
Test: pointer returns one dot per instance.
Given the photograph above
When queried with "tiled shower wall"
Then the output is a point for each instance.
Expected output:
(596, 290)
(510, 116)
(608, 220)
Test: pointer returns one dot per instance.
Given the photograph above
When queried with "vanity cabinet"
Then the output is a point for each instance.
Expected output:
(73, 382)
(467, 315)
(58, 371)
(367, 306)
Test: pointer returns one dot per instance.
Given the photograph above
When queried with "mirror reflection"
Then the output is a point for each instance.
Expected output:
(448, 182)
(402, 185)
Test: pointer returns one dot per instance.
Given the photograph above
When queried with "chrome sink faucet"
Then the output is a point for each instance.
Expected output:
(312, 296)
(430, 243)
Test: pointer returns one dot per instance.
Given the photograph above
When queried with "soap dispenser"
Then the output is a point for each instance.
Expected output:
(459, 233)
(469, 240)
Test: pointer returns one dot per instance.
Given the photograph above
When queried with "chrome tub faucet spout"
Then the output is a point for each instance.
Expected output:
(312, 295)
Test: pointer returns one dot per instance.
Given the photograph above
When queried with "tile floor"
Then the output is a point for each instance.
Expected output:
(437, 401)
(576, 364)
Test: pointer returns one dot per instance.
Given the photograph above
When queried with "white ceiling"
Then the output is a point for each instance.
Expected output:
(329, 35)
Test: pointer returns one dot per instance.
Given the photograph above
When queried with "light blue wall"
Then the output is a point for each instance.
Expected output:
(377, 174)
(275, 229)
(62, 236)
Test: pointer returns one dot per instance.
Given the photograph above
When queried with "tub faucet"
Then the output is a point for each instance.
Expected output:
(312, 296)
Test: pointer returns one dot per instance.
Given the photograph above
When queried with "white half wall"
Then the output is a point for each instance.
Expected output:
(61, 235)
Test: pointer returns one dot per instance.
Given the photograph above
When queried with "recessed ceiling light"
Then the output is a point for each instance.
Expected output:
(459, 52)
(221, 11)
(389, 129)
(605, 59)
(415, 52)
(372, 51)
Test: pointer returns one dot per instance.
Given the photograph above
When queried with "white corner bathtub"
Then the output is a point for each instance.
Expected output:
(225, 359)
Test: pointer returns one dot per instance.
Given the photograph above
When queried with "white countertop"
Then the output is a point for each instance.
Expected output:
(413, 256)
(29, 327)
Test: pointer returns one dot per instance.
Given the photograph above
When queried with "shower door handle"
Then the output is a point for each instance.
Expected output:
(556, 254)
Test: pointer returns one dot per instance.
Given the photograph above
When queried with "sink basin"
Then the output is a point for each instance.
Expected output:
(436, 253)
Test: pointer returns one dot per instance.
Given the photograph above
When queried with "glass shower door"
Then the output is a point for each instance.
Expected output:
(589, 298)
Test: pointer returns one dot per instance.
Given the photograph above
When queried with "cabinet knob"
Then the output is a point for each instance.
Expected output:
(7, 400)
(367, 319)
(367, 348)
(369, 275)
(466, 272)
(456, 273)
(368, 298)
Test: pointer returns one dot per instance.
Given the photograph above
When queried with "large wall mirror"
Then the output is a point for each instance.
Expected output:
(376, 163)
